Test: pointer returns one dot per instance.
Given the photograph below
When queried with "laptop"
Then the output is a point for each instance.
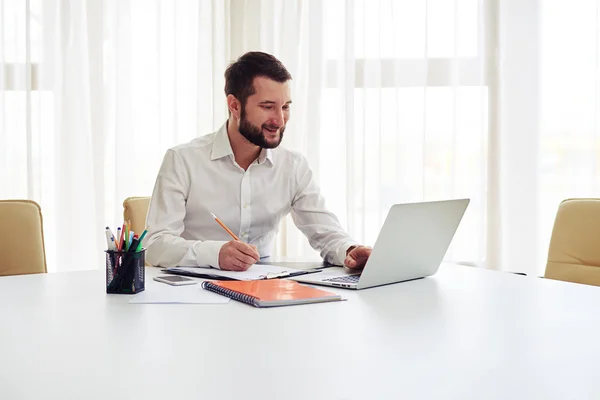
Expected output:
(411, 244)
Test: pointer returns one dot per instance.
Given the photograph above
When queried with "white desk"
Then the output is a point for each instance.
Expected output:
(463, 334)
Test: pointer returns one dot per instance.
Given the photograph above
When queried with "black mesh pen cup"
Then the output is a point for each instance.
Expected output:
(125, 271)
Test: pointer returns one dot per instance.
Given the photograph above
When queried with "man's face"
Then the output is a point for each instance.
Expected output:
(265, 114)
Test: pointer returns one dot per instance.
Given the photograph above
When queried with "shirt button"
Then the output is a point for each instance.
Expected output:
(246, 205)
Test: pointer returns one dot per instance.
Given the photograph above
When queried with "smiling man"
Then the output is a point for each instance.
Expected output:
(242, 175)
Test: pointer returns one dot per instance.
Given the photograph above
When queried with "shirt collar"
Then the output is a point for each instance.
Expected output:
(266, 155)
(222, 148)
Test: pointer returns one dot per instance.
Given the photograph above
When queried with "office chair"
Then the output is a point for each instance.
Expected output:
(21, 238)
(574, 251)
(135, 210)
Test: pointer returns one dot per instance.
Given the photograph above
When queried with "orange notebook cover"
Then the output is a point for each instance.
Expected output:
(270, 293)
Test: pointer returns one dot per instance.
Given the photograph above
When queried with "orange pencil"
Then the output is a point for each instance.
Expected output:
(224, 227)
(122, 244)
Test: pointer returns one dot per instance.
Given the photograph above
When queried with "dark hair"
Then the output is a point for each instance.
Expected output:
(240, 74)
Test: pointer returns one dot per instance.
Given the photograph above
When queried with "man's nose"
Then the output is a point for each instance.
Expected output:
(278, 118)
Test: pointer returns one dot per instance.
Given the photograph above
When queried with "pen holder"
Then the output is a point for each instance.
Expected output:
(125, 271)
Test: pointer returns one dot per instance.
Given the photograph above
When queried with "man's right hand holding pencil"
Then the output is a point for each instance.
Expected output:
(237, 256)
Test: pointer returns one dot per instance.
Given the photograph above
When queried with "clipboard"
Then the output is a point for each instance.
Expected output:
(177, 271)
(217, 274)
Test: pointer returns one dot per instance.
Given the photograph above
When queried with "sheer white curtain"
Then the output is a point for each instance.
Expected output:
(163, 85)
(420, 100)
(405, 112)
(390, 105)
(549, 112)
(92, 93)
(394, 101)
(47, 142)
(569, 144)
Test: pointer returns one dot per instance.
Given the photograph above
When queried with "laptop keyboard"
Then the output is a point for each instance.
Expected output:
(344, 279)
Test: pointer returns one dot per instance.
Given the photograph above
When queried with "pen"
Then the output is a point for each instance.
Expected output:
(126, 234)
(134, 244)
(110, 239)
(118, 238)
(122, 239)
(139, 248)
(224, 227)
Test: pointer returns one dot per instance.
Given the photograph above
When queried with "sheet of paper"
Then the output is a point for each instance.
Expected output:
(257, 271)
(161, 293)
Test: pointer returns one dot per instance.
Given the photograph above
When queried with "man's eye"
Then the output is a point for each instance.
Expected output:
(286, 108)
(267, 107)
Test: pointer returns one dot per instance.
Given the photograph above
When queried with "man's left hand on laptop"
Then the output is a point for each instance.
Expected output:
(357, 257)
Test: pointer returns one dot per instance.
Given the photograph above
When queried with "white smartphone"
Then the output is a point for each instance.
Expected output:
(175, 280)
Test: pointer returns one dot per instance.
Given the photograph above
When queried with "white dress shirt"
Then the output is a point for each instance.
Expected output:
(201, 177)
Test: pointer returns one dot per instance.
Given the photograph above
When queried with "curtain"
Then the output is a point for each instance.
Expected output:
(163, 85)
(48, 146)
(548, 116)
(392, 108)
(92, 93)
(569, 109)
(394, 101)
(405, 107)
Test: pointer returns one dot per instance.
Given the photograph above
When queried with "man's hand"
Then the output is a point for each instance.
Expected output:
(237, 256)
(357, 257)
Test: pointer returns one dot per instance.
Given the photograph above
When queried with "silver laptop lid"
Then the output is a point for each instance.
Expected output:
(413, 241)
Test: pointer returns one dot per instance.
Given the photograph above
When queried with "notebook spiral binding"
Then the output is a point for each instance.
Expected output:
(244, 298)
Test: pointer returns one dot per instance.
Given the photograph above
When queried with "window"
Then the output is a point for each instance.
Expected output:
(569, 106)
(24, 91)
(27, 107)
(414, 115)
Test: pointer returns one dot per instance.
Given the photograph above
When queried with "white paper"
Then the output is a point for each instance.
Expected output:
(161, 293)
(257, 271)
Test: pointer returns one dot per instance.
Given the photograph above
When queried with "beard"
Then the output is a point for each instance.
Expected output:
(255, 134)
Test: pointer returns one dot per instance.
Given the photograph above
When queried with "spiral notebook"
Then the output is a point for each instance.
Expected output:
(270, 293)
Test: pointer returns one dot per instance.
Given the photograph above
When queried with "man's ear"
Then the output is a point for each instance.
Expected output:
(235, 107)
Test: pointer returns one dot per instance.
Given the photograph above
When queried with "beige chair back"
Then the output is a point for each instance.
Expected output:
(135, 210)
(574, 252)
(22, 248)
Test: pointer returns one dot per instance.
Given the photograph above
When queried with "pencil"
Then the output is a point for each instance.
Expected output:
(224, 227)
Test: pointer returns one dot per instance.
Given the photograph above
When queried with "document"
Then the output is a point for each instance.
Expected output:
(161, 293)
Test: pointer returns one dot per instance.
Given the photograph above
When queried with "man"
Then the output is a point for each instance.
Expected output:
(241, 175)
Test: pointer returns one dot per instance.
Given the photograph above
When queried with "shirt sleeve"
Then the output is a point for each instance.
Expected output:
(317, 223)
(164, 245)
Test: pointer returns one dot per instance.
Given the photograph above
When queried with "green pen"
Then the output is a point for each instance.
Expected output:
(141, 238)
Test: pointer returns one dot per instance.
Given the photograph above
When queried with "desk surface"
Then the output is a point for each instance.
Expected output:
(465, 333)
